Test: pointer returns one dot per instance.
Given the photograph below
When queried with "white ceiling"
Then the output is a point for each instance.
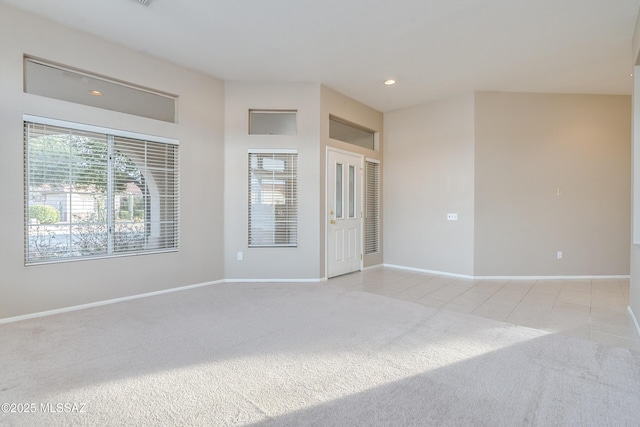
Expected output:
(433, 48)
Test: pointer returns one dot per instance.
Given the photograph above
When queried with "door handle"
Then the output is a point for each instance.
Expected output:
(332, 221)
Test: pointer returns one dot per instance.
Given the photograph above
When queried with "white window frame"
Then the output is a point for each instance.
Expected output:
(111, 135)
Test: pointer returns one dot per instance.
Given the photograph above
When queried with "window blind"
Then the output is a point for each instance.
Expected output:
(91, 194)
(372, 208)
(146, 191)
(273, 198)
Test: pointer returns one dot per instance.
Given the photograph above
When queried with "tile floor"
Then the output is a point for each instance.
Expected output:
(594, 310)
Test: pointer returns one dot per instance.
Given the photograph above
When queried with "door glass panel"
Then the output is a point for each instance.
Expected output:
(339, 190)
(352, 192)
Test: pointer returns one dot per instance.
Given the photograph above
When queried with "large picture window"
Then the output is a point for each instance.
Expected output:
(90, 192)
(273, 200)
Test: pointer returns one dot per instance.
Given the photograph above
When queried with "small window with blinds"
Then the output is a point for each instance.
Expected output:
(90, 192)
(372, 207)
(273, 198)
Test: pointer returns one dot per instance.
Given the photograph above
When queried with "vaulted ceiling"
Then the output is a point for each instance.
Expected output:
(433, 48)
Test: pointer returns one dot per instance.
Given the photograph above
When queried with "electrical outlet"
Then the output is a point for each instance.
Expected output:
(452, 217)
(239, 256)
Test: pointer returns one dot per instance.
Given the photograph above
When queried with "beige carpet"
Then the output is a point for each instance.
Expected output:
(300, 355)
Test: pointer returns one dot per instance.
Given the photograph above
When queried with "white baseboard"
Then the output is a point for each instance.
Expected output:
(149, 294)
(551, 277)
(105, 302)
(635, 319)
(422, 270)
(321, 279)
(463, 276)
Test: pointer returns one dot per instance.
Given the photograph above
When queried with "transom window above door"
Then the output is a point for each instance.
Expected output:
(344, 131)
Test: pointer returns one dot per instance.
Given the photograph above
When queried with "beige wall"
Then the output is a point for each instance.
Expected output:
(336, 104)
(527, 147)
(634, 297)
(200, 131)
(314, 103)
(428, 173)
(498, 160)
(634, 292)
(301, 262)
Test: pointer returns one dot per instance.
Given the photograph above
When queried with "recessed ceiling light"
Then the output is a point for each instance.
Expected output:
(95, 92)
(389, 82)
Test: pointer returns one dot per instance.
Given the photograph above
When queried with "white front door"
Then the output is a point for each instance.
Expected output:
(344, 212)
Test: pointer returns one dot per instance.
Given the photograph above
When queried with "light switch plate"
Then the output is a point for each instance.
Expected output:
(452, 217)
